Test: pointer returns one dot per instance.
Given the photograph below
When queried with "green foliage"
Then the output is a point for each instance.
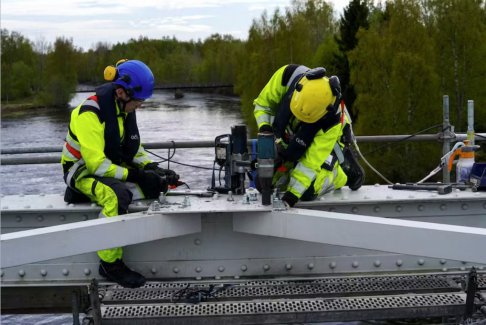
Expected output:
(18, 59)
(61, 69)
(304, 35)
(355, 16)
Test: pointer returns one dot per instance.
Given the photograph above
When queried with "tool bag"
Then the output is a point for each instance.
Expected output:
(478, 177)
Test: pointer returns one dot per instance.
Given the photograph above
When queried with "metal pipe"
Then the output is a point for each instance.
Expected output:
(17, 159)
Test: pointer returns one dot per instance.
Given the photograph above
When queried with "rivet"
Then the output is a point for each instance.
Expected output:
(355, 264)
(464, 206)
(87, 271)
(332, 209)
(21, 273)
(398, 208)
(366, 197)
(138, 203)
(198, 269)
(175, 270)
(354, 209)
(5, 207)
(85, 217)
(198, 278)
(389, 197)
(62, 217)
(244, 268)
(332, 265)
(40, 218)
(377, 263)
(43, 272)
(94, 205)
(65, 272)
(442, 261)
(420, 207)
(218, 277)
(376, 209)
(236, 277)
(42, 194)
(463, 268)
(49, 206)
(288, 267)
(399, 263)
(71, 205)
(411, 196)
(480, 268)
(433, 195)
(443, 207)
(27, 207)
(377, 185)
(421, 261)
(197, 241)
(22, 195)
(266, 267)
(444, 269)
(221, 268)
(18, 218)
(153, 270)
(310, 266)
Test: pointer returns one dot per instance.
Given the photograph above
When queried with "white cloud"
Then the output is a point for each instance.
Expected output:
(88, 22)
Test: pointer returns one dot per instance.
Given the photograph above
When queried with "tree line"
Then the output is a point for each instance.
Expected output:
(395, 61)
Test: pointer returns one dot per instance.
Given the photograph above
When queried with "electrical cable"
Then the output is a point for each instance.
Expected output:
(176, 162)
(405, 138)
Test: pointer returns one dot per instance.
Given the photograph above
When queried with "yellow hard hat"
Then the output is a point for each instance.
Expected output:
(311, 98)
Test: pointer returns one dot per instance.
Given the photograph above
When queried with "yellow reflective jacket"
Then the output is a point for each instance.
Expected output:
(83, 152)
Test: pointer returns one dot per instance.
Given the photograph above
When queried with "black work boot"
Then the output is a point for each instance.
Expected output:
(118, 272)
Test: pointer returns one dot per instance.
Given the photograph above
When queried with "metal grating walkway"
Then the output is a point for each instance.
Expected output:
(347, 298)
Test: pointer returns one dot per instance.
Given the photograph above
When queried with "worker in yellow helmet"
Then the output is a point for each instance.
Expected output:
(303, 108)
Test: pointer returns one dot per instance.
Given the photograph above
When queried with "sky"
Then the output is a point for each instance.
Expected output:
(88, 22)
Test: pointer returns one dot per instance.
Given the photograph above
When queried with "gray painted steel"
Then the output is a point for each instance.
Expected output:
(217, 251)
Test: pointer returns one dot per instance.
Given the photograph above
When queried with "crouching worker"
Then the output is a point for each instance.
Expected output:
(303, 108)
(103, 160)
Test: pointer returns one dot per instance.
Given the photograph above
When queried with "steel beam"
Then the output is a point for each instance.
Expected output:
(392, 235)
(42, 244)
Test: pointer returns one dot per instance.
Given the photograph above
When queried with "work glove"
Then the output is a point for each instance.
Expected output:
(148, 180)
(290, 199)
(169, 175)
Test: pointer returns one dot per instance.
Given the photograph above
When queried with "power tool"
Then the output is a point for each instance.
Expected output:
(231, 155)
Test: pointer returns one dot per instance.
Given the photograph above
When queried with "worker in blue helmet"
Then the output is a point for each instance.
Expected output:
(103, 159)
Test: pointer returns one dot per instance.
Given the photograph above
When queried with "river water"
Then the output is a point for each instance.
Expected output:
(163, 118)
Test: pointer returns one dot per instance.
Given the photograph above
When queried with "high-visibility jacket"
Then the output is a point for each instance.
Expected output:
(317, 162)
(87, 146)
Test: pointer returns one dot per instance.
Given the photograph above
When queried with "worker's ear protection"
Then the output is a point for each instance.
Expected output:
(111, 73)
(335, 85)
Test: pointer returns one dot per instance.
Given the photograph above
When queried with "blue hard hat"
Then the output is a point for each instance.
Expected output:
(136, 78)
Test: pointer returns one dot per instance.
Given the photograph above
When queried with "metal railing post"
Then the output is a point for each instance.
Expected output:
(470, 121)
(446, 131)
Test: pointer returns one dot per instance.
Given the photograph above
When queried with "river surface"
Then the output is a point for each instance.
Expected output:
(163, 118)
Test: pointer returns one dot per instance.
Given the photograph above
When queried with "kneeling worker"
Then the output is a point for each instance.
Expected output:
(103, 160)
(303, 108)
